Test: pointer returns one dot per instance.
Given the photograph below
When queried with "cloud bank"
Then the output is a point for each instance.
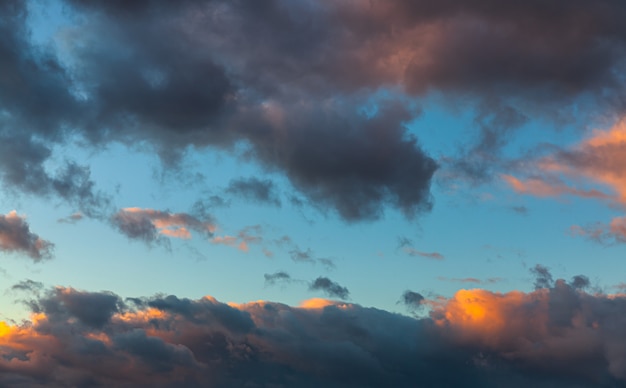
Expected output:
(559, 336)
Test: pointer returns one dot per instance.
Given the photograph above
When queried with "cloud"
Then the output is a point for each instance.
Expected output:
(277, 277)
(331, 288)
(248, 235)
(596, 161)
(406, 244)
(552, 337)
(429, 255)
(16, 236)
(543, 277)
(546, 187)
(414, 301)
(72, 218)
(522, 210)
(471, 280)
(300, 256)
(195, 76)
(613, 233)
(203, 83)
(254, 189)
(150, 225)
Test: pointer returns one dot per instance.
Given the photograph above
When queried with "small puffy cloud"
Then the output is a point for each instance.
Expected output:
(613, 233)
(543, 277)
(16, 236)
(412, 300)
(329, 287)
(150, 225)
(301, 256)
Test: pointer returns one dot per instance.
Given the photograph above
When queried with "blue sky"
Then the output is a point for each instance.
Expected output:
(383, 156)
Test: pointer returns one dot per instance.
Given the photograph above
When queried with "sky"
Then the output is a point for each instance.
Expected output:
(307, 193)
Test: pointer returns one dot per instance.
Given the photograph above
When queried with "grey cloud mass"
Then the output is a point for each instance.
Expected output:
(552, 337)
(288, 81)
(16, 236)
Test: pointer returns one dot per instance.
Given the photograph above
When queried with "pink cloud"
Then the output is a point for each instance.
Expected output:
(149, 224)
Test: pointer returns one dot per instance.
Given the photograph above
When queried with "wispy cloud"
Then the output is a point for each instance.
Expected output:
(150, 225)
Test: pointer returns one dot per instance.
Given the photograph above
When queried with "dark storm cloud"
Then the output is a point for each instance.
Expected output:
(332, 289)
(174, 77)
(38, 110)
(255, 190)
(552, 337)
(16, 236)
(290, 81)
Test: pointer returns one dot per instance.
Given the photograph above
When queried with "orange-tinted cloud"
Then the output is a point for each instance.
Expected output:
(614, 232)
(548, 337)
(245, 237)
(149, 224)
(599, 160)
(429, 255)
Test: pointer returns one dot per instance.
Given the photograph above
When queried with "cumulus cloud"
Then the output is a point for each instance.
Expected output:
(16, 236)
(296, 106)
(552, 337)
(329, 287)
(151, 225)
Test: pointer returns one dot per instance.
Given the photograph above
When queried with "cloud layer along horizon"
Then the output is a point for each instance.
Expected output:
(561, 336)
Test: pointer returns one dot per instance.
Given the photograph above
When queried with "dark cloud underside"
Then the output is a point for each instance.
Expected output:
(552, 337)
